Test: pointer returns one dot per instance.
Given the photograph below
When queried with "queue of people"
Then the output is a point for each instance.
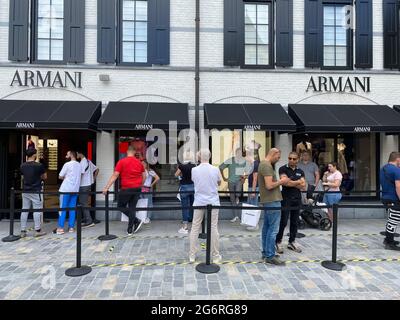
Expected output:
(199, 185)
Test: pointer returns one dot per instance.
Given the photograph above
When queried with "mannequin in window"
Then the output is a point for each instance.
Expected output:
(304, 145)
(342, 164)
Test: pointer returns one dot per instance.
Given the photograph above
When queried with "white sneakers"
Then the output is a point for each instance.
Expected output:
(217, 259)
(147, 221)
(235, 219)
(253, 228)
(183, 231)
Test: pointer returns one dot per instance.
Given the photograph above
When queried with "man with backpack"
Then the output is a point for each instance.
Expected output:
(89, 175)
(390, 182)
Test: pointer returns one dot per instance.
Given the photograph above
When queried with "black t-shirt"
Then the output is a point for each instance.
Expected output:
(32, 172)
(296, 174)
(186, 170)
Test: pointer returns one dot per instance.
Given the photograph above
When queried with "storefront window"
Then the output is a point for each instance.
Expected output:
(165, 170)
(354, 154)
(225, 142)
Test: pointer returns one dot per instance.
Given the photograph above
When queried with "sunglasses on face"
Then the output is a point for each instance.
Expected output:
(293, 159)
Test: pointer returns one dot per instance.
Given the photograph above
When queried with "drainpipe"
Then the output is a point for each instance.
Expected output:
(197, 73)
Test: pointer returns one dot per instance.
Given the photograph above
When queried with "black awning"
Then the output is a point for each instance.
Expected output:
(32, 114)
(344, 118)
(248, 116)
(144, 116)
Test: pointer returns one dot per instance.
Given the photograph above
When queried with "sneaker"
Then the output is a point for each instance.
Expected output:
(71, 230)
(95, 221)
(392, 246)
(394, 242)
(294, 247)
(279, 248)
(129, 232)
(192, 258)
(264, 257)
(147, 221)
(88, 225)
(275, 261)
(60, 231)
(39, 234)
(137, 226)
(217, 259)
(183, 231)
(235, 219)
(23, 234)
(253, 228)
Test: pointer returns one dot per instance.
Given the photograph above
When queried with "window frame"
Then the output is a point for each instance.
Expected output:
(119, 37)
(271, 37)
(34, 37)
(349, 41)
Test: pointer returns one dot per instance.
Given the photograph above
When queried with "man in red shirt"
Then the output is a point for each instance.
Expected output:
(132, 175)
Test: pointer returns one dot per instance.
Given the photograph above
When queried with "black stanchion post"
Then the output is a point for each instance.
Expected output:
(107, 236)
(79, 270)
(11, 237)
(208, 267)
(203, 234)
(334, 265)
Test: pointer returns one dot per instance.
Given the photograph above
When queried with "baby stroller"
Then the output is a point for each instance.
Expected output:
(312, 215)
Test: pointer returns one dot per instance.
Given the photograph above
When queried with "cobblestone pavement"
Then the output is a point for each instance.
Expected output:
(153, 265)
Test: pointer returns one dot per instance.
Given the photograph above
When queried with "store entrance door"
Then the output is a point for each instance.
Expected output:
(52, 147)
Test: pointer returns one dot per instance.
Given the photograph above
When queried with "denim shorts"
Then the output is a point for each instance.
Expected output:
(332, 198)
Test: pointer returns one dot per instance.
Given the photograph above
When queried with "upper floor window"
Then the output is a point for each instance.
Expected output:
(134, 31)
(257, 34)
(336, 40)
(50, 30)
(329, 36)
(57, 31)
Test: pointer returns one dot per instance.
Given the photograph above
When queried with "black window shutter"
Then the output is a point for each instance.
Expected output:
(313, 33)
(18, 30)
(284, 33)
(233, 32)
(364, 34)
(74, 26)
(159, 29)
(390, 34)
(106, 31)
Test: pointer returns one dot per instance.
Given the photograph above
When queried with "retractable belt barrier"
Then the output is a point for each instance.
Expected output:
(207, 267)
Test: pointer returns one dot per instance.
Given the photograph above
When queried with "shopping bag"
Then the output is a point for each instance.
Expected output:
(250, 217)
(140, 214)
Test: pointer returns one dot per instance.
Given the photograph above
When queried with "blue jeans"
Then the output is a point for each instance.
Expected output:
(253, 201)
(270, 229)
(67, 201)
(187, 201)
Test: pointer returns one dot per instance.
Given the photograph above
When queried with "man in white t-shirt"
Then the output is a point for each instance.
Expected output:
(206, 179)
(71, 174)
(89, 175)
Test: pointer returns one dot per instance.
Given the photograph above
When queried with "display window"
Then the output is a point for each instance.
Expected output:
(355, 154)
(165, 170)
(254, 145)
